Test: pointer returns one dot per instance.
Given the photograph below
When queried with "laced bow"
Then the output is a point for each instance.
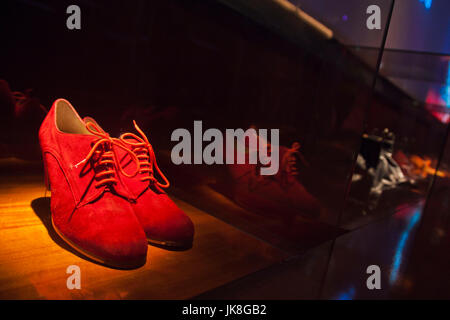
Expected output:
(146, 155)
(105, 157)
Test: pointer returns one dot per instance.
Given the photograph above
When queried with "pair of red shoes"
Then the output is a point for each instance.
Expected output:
(106, 201)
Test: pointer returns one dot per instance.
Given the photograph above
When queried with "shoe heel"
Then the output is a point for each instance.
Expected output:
(46, 177)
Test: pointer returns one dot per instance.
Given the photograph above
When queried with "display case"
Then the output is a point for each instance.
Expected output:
(305, 141)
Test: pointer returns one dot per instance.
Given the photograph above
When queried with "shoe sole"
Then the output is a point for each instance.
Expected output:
(171, 244)
(92, 256)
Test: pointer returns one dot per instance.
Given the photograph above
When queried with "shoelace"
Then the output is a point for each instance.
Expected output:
(146, 156)
(105, 158)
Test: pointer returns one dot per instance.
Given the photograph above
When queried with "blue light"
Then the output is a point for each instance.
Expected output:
(427, 3)
(348, 295)
(397, 262)
(446, 89)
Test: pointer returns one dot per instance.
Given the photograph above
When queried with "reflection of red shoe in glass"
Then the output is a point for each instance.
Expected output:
(163, 222)
(7, 103)
(296, 194)
(278, 195)
(22, 114)
(89, 204)
(257, 193)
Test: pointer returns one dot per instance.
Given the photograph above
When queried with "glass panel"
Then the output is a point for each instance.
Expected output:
(302, 70)
(397, 201)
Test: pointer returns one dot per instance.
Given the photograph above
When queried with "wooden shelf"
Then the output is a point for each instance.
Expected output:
(33, 259)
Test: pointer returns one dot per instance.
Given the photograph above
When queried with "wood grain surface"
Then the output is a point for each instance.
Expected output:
(34, 260)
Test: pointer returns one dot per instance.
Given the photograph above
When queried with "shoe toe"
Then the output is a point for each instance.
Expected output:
(174, 228)
(126, 247)
(164, 223)
(107, 232)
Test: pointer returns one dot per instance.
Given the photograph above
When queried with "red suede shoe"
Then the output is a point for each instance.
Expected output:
(90, 207)
(163, 222)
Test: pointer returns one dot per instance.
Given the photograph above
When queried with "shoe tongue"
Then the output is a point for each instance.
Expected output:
(125, 159)
(135, 185)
